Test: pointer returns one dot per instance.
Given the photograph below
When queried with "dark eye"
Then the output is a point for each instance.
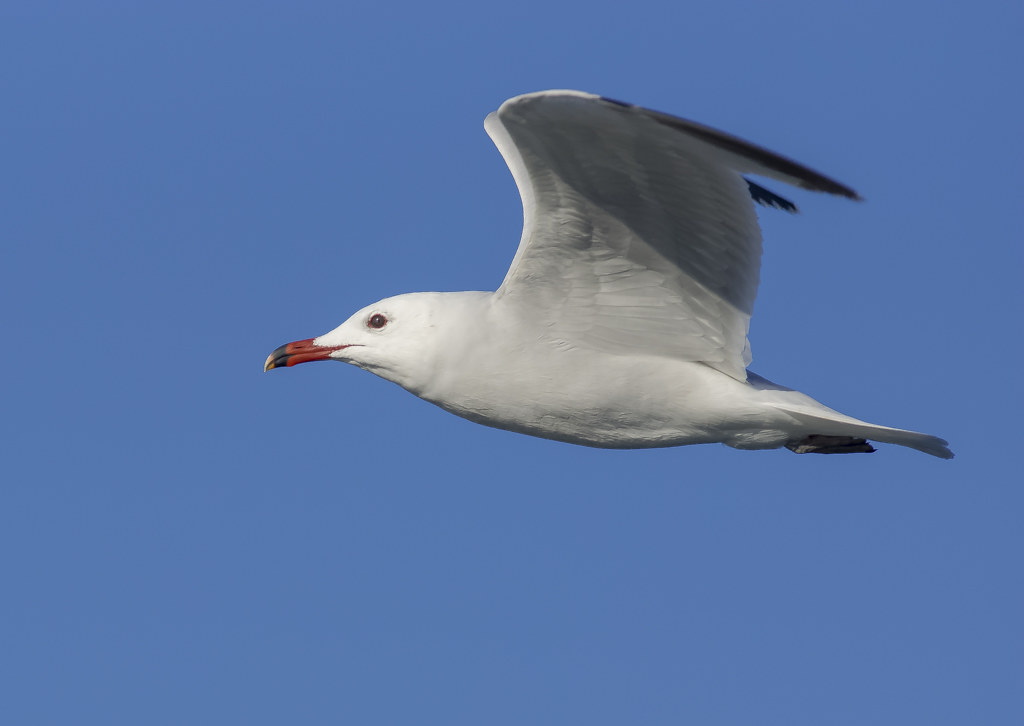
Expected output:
(377, 321)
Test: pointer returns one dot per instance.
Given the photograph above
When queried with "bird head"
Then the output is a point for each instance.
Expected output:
(394, 338)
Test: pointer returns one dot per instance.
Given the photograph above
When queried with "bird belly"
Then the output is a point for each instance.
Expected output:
(609, 401)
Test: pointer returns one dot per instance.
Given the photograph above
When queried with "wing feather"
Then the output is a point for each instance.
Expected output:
(639, 230)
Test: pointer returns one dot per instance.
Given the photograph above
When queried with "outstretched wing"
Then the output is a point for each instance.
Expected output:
(639, 229)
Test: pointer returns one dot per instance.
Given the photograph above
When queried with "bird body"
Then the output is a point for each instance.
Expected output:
(622, 321)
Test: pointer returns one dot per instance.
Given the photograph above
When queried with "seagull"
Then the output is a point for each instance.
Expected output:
(622, 321)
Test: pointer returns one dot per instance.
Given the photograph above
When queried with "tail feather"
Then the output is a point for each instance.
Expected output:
(824, 425)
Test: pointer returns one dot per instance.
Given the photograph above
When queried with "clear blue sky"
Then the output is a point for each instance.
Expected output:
(185, 539)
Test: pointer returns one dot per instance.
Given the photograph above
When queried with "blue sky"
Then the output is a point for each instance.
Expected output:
(185, 539)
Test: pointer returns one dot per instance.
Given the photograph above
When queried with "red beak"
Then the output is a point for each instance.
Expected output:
(301, 351)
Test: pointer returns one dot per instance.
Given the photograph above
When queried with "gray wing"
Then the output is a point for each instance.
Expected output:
(639, 230)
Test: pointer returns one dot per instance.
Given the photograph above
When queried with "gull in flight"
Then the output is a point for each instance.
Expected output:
(622, 322)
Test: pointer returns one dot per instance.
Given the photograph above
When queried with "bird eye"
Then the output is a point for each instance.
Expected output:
(377, 321)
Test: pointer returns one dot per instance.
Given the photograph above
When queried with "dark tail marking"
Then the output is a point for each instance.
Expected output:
(818, 444)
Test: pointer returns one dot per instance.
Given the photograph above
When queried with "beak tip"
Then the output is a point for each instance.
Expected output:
(276, 359)
(301, 351)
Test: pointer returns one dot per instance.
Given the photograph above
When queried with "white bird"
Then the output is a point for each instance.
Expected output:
(622, 322)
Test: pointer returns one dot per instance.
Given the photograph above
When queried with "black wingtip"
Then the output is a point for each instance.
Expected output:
(768, 198)
(797, 174)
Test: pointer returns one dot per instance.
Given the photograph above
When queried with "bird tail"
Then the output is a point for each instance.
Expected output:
(830, 432)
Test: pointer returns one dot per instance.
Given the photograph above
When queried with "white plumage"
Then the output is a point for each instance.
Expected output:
(622, 321)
